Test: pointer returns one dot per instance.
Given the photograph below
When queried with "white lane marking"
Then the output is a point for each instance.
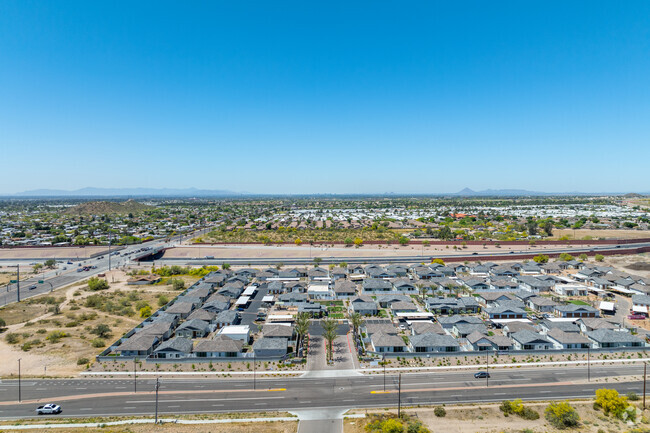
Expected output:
(203, 399)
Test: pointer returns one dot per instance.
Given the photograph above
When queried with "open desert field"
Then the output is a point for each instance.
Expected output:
(600, 234)
(56, 334)
(304, 251)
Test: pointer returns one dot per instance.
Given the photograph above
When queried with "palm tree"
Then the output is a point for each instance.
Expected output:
(329, 326)
(302, 327)
(356, 321)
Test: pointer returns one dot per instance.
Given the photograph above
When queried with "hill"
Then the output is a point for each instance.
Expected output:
(107, 207)
(127, 192)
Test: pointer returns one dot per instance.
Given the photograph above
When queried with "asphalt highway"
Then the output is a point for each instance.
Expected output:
(59, 278)
(94, 397)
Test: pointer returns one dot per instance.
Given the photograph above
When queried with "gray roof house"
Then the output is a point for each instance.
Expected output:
(607, 338)
(181, 309)
(194, 328)
(449, 322)
(221, 346)
(138, 345)
(278, 331)
(227, 318)
(577, 311)
(462, 330)
(177, 347)
(526, 340)
(567, 340)
(377, 285)
(482, 342)
(216, 306)
(387, 343)
(425, 326)
(270, 347)
(432, 342)
(364, 306)
(541, 304)
(202, 314)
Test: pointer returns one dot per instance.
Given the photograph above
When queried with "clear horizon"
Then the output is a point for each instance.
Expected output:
(298, 98)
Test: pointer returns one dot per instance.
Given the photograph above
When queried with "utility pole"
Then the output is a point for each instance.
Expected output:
(399, 395)
(383, 361)
(645, 365)
(157, 386)
(135, 375)
(487, 368)
(109, 249)
(254, 384)
(18, 281)
(19, 390)
(589, 363)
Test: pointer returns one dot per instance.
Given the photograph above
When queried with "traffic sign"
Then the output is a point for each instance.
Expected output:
(40, 281)
(13, 281)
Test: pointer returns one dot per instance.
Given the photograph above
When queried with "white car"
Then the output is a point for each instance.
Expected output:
(48, 409)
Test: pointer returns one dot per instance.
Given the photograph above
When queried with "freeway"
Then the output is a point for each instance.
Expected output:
(289, 261)
(86, 397)
(55, 279)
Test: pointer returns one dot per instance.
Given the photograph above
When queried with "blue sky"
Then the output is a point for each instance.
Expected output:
(305, 97)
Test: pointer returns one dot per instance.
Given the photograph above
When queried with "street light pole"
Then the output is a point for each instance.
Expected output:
(645, 365)
(157, 386)
(588, 363)
(18, 281)
(135, 375)
(487, 369)
(254, 384)
(383, 361)
(399, 395)
(19, 390)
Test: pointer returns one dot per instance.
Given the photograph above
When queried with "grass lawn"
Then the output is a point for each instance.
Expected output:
(576, 302)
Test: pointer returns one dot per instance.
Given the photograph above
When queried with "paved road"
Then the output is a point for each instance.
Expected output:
(60, 278)
(197, 395)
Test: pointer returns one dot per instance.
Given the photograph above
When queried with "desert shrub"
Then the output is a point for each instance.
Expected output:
(26, 347)
(385, 426)
(561, 415)
(12, 338)
(98, 342)
(55, 336)
(2, 323)
(439, 411)
(612, 403)
(516, 407)
(95, 284)
(177, 284)
(102, 330)
(162, 300)
(145, 311)
(82, 361)
(632, 396)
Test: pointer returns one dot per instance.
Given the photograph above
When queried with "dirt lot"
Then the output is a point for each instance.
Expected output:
(52, 333)
(489, 419)
(259, 427)
(282, 251)
(600, 234)
(50, 253)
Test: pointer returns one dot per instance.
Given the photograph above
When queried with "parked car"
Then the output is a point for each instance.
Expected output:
(636, 317)
(48, 409)
(32, 287)
(481, 375)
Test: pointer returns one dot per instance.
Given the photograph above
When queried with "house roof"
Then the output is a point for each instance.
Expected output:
(221, 343)
(226, 316)
(202, 315)
(275, 331)
(563, 337)
(194, 324)
(527, 337)
(431, 339)
(138, 342)
(266, 343)
(422, 327)
(386, 340)
(176, 344)
(609, 336)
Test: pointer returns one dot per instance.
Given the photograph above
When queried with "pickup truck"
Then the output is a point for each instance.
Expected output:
(48, 409)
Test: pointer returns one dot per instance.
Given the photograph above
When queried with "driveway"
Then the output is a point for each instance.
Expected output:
(249, 315)
(341, 349)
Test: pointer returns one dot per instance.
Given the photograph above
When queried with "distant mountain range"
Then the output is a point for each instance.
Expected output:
(195, 192)
(127, 192)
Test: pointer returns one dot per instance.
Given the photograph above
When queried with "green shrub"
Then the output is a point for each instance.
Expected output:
(612, 403)
(95, 284)
(12, 338)
(98, 342)
(82, 361)
(2, 323)
(561, 415)
(632, 396)
(55, 336)
(439, 411)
